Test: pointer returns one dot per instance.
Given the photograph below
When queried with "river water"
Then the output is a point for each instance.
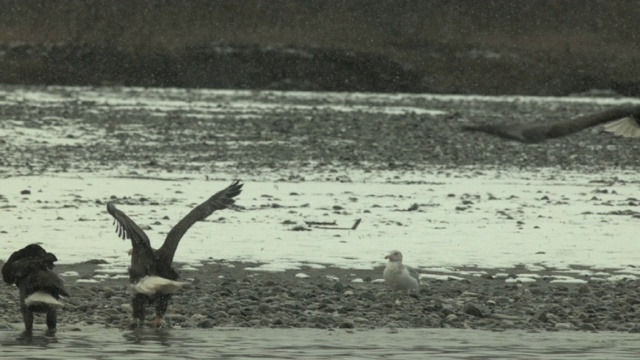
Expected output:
(233, 343)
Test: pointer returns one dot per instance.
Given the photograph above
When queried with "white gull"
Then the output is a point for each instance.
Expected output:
(398, 276)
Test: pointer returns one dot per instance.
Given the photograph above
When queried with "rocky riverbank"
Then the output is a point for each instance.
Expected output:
(220, 294)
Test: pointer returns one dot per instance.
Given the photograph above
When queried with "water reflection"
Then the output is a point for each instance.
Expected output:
(232, 343)
(31, 339)
(145, 335)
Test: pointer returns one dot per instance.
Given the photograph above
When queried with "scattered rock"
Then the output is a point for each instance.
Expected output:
(473, 309)
(281, 299)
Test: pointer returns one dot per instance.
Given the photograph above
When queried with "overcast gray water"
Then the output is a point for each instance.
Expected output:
(100, 343)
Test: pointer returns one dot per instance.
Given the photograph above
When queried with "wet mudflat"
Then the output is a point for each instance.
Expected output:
(62, 129)
(449, 200)
(232, 343)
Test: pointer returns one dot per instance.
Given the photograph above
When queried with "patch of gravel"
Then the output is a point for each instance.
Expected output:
(221, 296)
(303, 133)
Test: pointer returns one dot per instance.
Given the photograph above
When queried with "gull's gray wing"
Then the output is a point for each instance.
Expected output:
(414, 274)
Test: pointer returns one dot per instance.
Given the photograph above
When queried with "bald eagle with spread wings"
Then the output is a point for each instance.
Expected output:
(622, 121)
(151, 274)
(30, 269)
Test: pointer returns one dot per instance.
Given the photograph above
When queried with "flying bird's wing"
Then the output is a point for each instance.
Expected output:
(625, 127)
(535, 133)
(221, 200)
(127, 229)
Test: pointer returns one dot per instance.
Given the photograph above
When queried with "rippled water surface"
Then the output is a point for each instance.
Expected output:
(101, 343)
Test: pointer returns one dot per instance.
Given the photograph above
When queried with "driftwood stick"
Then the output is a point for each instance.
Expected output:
(321, 223)
(355, 226)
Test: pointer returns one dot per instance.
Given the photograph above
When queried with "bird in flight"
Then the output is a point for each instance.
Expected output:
(622, 121)
(151, 274)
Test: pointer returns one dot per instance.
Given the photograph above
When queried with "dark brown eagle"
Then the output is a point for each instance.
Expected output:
(152, 277)
(622, 121)
(30, 269)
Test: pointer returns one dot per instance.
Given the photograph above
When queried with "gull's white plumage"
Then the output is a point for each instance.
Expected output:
(399, 276)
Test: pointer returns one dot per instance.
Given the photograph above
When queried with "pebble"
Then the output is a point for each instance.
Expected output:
(472, 309)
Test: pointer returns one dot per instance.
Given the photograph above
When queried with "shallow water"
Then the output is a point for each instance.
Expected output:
(232, 343)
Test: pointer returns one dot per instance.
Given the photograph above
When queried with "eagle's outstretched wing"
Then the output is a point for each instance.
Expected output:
(535, 133)
(221, 200)
(127, 229)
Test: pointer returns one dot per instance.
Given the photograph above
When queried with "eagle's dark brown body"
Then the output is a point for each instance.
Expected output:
(30, 269)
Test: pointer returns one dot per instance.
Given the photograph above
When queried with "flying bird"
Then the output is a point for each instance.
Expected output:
(622, 121)
(398, 276)
(152, 277)
(30, 269)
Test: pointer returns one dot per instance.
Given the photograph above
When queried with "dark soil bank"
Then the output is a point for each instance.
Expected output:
(208, 66)
(536, 47)
(282, 300)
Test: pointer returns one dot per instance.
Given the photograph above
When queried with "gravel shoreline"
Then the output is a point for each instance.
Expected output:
(227, 295)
